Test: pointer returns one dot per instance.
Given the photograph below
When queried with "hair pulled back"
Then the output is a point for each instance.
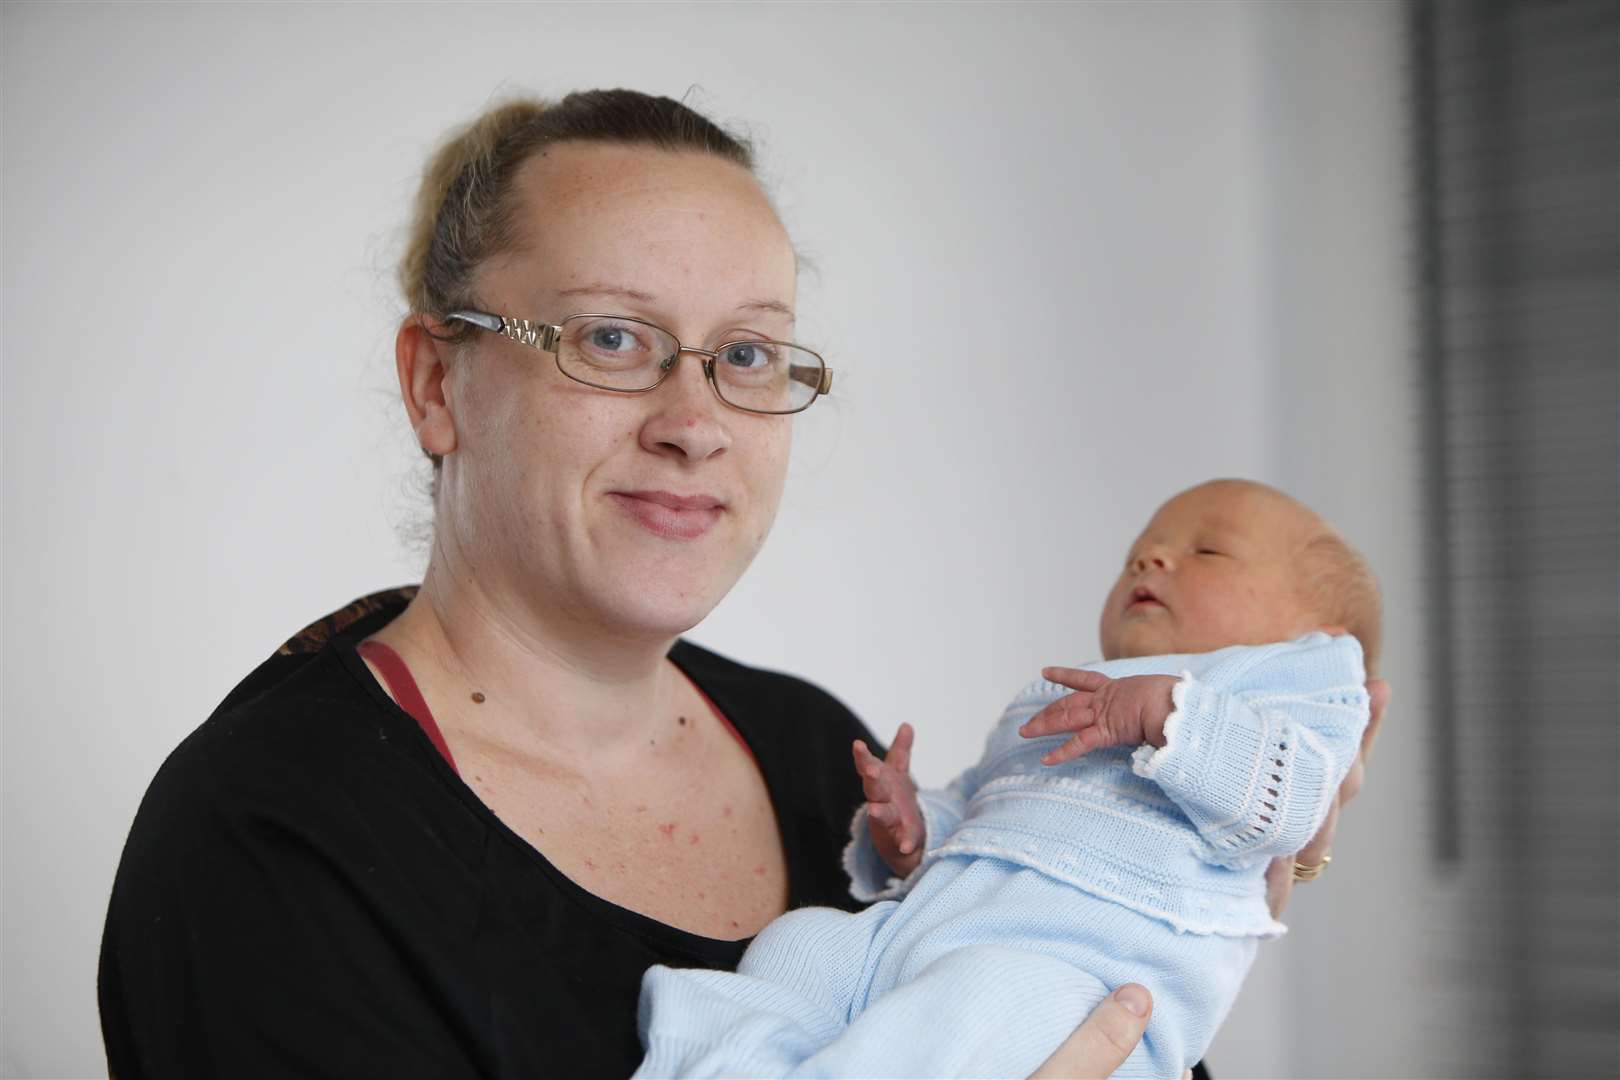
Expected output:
(464, 209)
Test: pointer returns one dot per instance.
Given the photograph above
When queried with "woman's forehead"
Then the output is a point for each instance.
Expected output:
(642, 220)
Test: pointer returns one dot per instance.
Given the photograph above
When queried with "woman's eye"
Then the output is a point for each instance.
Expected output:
(748, 356)
(611, 339)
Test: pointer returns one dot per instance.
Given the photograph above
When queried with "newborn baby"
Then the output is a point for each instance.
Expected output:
(1117, 833)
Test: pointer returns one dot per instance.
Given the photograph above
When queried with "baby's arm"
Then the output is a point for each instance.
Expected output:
(893, 816)
(1131, 711)
(1252, 752)
(924, 818)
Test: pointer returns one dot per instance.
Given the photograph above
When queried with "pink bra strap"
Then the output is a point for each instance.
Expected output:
(405, 691)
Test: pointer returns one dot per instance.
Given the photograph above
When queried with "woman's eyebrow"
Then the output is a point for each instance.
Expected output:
(600, 288)
(775, 306)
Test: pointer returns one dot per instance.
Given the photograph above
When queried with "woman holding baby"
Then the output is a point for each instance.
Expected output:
(445, 831)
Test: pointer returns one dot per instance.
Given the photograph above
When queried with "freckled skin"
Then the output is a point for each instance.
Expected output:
(530, 507)
(527, 494)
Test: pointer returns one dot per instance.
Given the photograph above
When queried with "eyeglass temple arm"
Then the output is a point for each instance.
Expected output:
(537, 335)
(477, 318)
(821, 379)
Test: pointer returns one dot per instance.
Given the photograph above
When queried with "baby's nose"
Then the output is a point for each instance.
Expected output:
(1152, 558)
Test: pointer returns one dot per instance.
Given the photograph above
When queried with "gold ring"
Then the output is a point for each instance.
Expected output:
(1309, 872)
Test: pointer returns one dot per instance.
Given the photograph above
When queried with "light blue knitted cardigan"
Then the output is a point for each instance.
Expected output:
(1259, 741)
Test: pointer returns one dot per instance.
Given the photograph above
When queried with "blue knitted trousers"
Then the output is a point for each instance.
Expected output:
(982, 970)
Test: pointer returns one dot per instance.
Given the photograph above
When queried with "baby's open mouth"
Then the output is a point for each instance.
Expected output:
(1143, 595)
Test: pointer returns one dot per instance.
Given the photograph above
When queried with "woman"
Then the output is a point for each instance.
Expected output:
(444, 832)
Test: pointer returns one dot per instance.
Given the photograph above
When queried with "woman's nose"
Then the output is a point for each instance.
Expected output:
(688, 419)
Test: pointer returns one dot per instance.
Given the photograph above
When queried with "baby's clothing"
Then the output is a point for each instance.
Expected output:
(1044, 887)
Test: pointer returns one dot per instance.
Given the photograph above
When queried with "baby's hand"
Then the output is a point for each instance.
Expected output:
(892, 813)
(1102, 712)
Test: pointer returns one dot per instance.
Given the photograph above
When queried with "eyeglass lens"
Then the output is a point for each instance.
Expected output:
(618, 353)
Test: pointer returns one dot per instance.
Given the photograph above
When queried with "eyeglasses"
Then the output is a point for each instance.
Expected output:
(633, 356)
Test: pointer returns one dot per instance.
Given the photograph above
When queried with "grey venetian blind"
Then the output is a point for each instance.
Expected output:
(1517, 150)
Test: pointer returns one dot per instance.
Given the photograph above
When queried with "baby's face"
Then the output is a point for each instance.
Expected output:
(1216, 566)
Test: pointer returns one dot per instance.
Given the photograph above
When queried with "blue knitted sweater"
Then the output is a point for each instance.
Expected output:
(1259, 741)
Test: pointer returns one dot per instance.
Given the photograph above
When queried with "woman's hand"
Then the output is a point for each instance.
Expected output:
(893, 815)
(1280, 874)
(1106, 1038)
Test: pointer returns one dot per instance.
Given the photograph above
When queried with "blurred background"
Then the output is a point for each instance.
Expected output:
(1066, 259)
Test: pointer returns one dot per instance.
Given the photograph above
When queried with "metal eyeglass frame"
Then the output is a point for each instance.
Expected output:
(546, 337)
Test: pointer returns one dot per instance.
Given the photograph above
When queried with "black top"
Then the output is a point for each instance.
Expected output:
(310, 890)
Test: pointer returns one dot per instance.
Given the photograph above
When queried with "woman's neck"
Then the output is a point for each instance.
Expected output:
(542, 681)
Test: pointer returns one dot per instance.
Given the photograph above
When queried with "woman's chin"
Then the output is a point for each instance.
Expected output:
(664, 609)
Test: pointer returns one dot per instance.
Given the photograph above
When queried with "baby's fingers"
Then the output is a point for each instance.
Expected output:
(870, 770)
(900, 750)
(1084, 742)
(1075, 678)
(902, 822)
(1068, 713)
(910, 832)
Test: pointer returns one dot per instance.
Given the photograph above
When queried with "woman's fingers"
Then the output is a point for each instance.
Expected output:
(1074, 678)
(1378, 700)
(1379, 693)
(1280, 874)
(1105, 1040)
(1322, 843)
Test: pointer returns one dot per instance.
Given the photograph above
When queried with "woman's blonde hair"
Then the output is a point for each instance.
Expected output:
(463, 212)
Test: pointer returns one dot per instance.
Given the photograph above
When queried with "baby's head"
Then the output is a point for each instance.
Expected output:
(1233, 562)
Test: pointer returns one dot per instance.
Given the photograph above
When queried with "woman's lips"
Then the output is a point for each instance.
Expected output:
(666, 514)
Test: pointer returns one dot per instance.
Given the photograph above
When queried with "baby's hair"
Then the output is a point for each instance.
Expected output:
(1337, 584)
(1342, 591)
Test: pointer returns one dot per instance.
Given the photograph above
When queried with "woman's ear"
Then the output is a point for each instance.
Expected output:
(421, 359)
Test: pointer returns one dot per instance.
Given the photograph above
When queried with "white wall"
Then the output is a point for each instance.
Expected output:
(1067, 260)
